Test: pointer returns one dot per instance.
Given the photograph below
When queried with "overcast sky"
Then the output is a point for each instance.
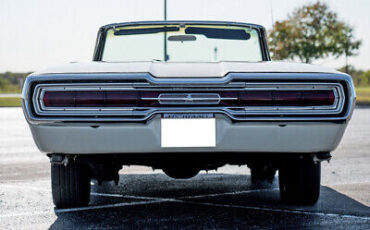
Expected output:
(40, 33)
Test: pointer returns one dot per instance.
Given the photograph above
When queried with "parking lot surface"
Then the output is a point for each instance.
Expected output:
(145, 199)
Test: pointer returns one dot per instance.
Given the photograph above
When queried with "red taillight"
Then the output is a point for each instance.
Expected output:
(89, 98)
(59, 98)
(151, 99)
(318, 97)
(282, 98)
(121, 98)
(263, 98)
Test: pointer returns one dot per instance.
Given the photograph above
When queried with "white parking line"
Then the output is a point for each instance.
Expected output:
(107, 194)
(160, 200)
(109, 206)
(153, 200)
(280, 210)
(228, 193)
(130, 196)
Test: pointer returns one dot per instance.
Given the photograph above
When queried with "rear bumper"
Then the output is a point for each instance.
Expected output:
(243, 137)
(239, 131)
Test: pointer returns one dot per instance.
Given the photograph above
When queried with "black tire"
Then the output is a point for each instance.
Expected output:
(299, 181)
(70, 185)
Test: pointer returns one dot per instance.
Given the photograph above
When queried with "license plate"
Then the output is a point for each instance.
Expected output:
(188, 132)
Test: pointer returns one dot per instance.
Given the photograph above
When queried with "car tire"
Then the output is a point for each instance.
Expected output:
(299, 181)
(70, 185)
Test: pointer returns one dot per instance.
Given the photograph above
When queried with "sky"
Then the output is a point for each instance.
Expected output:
(41, 33)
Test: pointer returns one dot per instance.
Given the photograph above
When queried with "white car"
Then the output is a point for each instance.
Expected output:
(185, 96)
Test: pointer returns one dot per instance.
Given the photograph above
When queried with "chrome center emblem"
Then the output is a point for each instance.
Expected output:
(189, 98)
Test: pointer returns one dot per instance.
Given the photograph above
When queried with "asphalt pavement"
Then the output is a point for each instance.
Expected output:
(144, 199)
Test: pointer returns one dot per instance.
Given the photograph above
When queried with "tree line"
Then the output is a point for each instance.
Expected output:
(12, 82)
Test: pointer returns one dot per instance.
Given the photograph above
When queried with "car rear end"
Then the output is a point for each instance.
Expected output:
(124, 113)
(185, 96)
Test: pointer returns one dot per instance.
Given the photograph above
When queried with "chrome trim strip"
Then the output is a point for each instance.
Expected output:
(225, 83)
(42, 110)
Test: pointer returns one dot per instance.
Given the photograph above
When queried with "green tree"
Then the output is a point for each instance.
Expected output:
(312, 32)
(347, 44)
(365, 79)
(4, 83)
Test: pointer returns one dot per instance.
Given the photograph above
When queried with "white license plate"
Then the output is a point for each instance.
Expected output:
(200, 132)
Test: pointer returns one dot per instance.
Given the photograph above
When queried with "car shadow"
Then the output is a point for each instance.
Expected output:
(153, 201)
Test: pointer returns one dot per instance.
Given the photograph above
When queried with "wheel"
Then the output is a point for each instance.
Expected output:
(299, 181)
(261, 171)
(70, 185)
(181, 173)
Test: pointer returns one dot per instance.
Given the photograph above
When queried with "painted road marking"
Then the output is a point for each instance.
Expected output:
(228, 193)
(127, 196)
(155, 200)
(67, 210)
(281, 210)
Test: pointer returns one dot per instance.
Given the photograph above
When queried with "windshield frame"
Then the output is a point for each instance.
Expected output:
(101, 37)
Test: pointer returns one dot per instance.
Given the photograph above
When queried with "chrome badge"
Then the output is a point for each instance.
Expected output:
(189, 98)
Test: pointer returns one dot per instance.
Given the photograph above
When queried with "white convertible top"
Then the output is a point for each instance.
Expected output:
(192, 69)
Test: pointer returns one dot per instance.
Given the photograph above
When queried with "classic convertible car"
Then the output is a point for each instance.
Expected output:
(185, 96)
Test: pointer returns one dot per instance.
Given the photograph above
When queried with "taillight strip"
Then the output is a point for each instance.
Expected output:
(104, 98)
(256, 98)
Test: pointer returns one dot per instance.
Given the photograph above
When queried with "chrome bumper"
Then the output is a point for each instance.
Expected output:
(243, 137)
